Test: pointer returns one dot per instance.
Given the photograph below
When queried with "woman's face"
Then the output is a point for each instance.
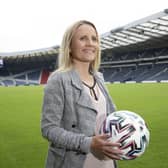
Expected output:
(84, 44)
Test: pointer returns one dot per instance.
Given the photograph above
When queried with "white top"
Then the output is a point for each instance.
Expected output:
(100, 105)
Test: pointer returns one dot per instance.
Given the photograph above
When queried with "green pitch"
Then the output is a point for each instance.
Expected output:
(21, 144)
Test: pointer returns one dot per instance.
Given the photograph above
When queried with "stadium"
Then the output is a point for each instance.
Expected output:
(135, 67)
(136, 52)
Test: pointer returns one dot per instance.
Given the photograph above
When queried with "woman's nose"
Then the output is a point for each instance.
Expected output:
(90, 42)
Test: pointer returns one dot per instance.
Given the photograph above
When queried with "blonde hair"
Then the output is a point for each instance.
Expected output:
(65, 62)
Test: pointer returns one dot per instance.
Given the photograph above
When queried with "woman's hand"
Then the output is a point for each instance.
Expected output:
(100, 144)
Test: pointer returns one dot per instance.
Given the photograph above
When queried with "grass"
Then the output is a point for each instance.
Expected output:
(21, 144)
(20, 141)
(150, 101)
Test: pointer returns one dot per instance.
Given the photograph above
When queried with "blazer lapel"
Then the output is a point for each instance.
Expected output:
(83, 98)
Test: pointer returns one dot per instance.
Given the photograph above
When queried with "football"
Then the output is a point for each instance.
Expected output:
(129, 129)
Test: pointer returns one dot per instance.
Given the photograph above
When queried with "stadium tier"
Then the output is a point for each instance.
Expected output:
(136, 52)
(146, 65)
(34, 77)
(28, 67)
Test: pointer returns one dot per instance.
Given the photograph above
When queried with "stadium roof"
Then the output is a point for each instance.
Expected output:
(149, 32)
(44, 51)
(25, 60)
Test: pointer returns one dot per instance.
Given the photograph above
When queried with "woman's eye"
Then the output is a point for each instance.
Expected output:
(94, 38)
(83, 38)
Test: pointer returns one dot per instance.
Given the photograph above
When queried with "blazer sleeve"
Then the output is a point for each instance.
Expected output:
(52, 112)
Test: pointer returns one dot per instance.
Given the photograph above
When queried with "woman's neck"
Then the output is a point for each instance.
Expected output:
(83, 71)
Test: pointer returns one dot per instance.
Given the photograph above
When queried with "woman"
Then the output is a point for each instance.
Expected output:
(75, 104)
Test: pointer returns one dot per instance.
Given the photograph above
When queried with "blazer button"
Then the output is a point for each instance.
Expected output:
(73, 125)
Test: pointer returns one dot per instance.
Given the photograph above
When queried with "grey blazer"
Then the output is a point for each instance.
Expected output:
(68, 119)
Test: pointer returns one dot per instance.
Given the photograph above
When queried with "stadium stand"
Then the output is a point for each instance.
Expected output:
(136, 52)
(152, 67)
(28, 67)
(44, 76)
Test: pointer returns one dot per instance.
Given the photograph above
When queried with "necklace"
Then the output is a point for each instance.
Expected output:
(91, 88)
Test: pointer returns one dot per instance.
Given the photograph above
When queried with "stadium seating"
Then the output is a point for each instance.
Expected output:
(148, 65)
(34, 77)
(44, 76)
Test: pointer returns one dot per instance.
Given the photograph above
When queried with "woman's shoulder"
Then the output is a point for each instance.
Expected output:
(56, 80)
(58, 76)
(99, 75)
